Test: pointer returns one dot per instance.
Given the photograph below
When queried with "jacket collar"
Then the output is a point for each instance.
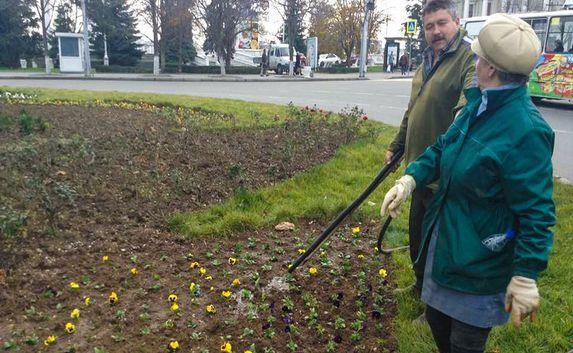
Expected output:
(495, 98)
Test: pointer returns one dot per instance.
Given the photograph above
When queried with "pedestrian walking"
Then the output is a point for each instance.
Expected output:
(391, 63)
(404, 64)
(448, 68)
(264, 63)
(486, 233)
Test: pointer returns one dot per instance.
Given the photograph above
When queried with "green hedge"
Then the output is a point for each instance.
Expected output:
(340, 69)
(123, 69)
(215, 70)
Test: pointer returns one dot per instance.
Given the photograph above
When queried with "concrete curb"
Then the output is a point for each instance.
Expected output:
(563, 180)
(180, 79)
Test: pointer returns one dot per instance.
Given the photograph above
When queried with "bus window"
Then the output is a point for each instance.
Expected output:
(473, 28)
(560, 38)
(539, 25)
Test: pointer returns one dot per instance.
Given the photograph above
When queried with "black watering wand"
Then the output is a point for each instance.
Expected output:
(384, 172)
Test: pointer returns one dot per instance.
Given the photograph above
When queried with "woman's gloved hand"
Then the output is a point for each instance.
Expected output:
(521, 299)
(397, 195)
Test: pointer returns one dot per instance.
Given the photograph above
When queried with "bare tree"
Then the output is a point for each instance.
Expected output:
(293, 13)
(223, 21)
(348, 21)
(45, 10)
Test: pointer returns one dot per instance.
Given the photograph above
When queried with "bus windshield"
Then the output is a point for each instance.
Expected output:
(560, 38)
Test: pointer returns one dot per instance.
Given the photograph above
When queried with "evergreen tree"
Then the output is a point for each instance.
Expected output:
(16, 22)
(115, 20)
(62, 23)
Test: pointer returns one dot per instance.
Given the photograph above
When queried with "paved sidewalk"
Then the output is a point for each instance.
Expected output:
(195, 77)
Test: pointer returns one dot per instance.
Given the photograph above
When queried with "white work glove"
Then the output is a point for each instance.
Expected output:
(397, 195)
(521, 299)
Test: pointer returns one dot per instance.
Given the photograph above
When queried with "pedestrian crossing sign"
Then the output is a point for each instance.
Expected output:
(411, 26)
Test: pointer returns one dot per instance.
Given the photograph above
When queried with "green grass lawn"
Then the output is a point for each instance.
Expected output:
(325, 190)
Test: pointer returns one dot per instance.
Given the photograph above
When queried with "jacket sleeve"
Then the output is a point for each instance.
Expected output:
(400, 139)
(527, 177)
(426, 168)
(469, 80)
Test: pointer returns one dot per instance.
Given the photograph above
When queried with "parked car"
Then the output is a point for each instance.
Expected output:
(326, 60)
(279, 59)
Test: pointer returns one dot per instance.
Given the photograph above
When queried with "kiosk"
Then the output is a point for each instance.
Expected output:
(71, 48)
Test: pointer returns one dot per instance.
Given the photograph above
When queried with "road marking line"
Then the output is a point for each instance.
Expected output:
(563, 132)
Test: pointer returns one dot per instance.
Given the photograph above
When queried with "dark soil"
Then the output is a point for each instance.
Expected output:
(96, 182)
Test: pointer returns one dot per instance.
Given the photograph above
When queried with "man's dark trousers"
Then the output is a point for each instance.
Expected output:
(421, 198)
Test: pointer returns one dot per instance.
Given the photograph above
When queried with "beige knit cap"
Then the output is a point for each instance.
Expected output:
(508, 43)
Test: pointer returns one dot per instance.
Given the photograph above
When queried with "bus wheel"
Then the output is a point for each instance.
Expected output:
(279, 69)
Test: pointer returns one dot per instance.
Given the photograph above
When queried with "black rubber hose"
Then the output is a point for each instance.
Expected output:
(384, 172)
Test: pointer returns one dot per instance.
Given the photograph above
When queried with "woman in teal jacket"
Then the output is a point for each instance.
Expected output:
(486, 232)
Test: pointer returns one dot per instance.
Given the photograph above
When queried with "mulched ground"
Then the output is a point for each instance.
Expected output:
(102, 181)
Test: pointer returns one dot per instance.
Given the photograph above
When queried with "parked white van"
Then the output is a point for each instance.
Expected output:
(279, 59)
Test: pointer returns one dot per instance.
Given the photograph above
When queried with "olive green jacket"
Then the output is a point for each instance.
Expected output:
(435, 100)
(495, 174)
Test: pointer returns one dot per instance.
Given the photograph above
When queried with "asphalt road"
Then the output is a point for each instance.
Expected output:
(381, 98)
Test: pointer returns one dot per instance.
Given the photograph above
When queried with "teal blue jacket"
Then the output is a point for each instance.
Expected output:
(495, 173)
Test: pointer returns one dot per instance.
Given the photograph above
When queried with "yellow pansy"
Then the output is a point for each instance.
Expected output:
(382, 272)
(236, 282)
(202, 271)
(87, 301)
(105, 258)
(360, 257)
(174, 307)
(232, 260)
(172, 298)
(173, 346)
(70, 328)
(312, 270)
(194, 264)
(301, 251)
(226, 294)
(209, 278)
(355, 230)
(113, 298)
(50, 340)
(226, 347)
(192, 286)
(75, 314)
(133, 271)
(74, 285)
(211, 309)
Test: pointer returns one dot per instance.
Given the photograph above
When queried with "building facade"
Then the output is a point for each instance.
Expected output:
(472, 8)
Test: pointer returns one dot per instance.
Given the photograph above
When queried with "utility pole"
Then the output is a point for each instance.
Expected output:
(87, 60)
(364, 46)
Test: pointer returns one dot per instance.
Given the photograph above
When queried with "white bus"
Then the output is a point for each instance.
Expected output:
(553, 73)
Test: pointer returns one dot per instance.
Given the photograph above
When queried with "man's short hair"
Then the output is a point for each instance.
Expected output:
(436, 5)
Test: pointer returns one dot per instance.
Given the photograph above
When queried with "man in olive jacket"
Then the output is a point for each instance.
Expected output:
(437, 94)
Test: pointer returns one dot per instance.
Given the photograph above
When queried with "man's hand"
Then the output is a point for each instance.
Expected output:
(397, 195)
(388, 157)
(521, 299)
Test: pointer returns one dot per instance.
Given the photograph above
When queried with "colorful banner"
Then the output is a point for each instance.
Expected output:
(553, 76)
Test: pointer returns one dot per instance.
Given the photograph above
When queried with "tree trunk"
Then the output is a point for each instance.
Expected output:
(153, 7)
(43, 11)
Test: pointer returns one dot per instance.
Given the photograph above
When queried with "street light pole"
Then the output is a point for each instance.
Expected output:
(364, 46)
(87, 60)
